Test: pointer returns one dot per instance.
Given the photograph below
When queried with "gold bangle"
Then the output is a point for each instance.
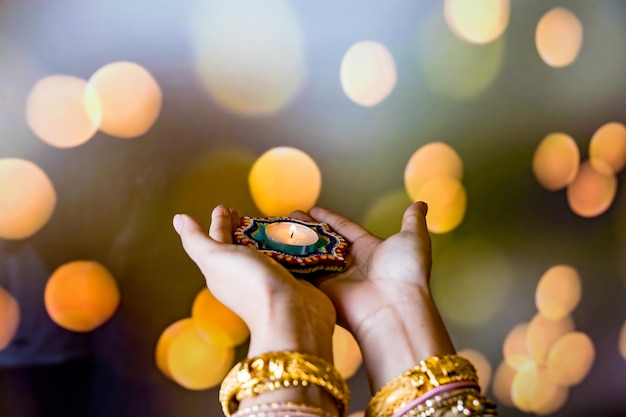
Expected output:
(417, 381)
(275, 370)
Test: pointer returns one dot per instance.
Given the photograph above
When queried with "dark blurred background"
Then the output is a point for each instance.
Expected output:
(224, 106)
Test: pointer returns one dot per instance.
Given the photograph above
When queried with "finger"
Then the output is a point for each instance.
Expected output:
(235, 220)
(301, 215)
(221, 225)
(414, 218)
(195, 240)
(340, 224)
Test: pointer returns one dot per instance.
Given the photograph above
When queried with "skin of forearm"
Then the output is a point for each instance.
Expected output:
(399, 337)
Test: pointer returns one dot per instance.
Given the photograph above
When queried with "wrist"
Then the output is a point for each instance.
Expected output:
(400, 336)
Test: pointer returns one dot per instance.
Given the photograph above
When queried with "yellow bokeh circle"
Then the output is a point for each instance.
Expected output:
(9, 317)
(478, 21)
(346, 352)
(195, 363)
(533, 390)
(556, 161)
(622, 341)
(130, 96)
(284, 179)
(502, 383)
(543, 333)
(81, 295)
(447, 202)
(514, 348)
(607, 149)
(165, 340)
(558, 292)
(571, 358)
(431, 160)
(368, 73)
(27, 198)
(216, 322)
(482, 365)
(592, 192)
(559, 37)
(63, 111)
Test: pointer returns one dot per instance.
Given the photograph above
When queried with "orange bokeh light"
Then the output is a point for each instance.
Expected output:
(130, 96)
(556, 161)
(502, 382)
(216, 322)
(81, 296)
(607, 149)
(571, 358)
(622, 341)
(558, 292)
(431, 160)
(447, 202)
(346, 352)
(368, 73)
(284, 179)
(165, 340)
(63, 111)
(27, 198)
(543, 333)
(478, 21)
(514, 349)
(9, 317)
(195, 363)
(592, 192)
(533, 390)
(559, 37)
(482, 365)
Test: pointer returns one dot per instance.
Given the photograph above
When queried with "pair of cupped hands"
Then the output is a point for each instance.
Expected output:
(382, 297)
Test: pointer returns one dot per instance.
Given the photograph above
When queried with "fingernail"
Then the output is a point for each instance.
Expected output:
(178, 223)
(424, 208)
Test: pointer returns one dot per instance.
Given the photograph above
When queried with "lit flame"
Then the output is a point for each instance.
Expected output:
(292, 230)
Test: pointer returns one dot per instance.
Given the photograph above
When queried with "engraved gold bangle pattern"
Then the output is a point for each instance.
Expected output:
(417, 381)
(276, 370)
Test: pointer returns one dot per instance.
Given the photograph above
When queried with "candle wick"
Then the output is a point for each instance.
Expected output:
(291, 237)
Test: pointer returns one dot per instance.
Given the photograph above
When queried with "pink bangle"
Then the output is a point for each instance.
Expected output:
(433, 393)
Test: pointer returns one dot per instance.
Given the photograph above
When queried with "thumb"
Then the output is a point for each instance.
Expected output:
(195, 241)
(414, 219)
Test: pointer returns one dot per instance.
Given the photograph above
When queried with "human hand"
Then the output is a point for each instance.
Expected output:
(383, 296)
(282, 313)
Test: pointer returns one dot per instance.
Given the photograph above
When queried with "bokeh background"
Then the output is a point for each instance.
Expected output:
(115, 115)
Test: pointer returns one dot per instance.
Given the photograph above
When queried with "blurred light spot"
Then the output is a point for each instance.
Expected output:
(559, 37)
(131, 99)
(434, 159)
(165, 340)
(514, 348)
(607, 149)
(622, 341)
(195, 363)
(216, 322)
(249, 55)
(81, 295)
(533, 390)
(357, 414)
(592, 192)
(558, 292)
(466, 272)
(27, 198)
(384, 218)
(571, 358)
(368, 73)
(346, 352)
(454, 68)
(63, 111)
(284, 179)
(447, 202)
(482, 365)
(502, 384)
(9, 317)
(557, 400)
(219, 177)
(556, 161)
(543, 333)
(478, 21)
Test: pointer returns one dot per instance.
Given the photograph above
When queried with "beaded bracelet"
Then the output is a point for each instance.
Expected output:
(282, 409)
(276, 370)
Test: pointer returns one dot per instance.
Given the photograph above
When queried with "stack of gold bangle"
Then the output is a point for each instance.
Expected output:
(428, 375)
(275, 370)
